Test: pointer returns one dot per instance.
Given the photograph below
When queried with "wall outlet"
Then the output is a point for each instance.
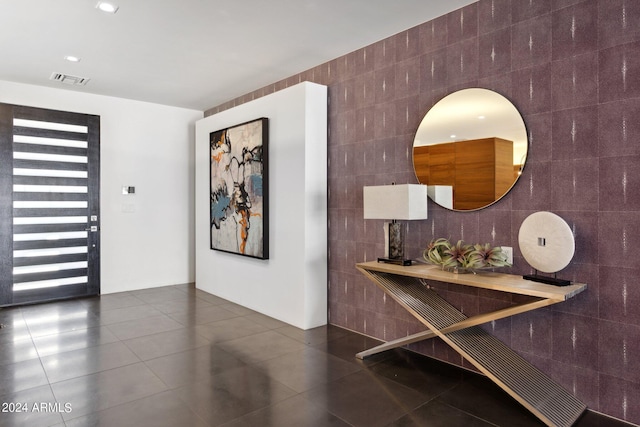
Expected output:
(508, 251)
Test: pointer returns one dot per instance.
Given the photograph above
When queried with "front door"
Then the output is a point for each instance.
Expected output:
(49, 205)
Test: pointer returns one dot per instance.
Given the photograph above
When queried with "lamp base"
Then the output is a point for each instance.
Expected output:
(396, 241)
(548, 280)
(397, 261)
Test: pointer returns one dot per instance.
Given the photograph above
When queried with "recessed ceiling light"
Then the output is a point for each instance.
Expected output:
(107, 7)
(481, 117)
(72, 58)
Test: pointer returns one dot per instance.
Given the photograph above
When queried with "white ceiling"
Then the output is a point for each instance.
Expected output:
(192, 53)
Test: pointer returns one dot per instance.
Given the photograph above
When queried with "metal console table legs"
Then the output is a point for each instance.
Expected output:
(533, 389)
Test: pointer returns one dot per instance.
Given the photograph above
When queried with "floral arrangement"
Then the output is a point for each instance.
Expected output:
(463, 256)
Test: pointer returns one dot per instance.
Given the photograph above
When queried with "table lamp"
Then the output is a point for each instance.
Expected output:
(395, 202)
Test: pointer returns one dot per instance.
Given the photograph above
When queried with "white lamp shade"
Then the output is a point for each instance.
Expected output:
(441, 194)
(404, 202)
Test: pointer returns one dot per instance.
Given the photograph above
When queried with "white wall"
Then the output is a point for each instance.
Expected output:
(150, 147)
(292, 284)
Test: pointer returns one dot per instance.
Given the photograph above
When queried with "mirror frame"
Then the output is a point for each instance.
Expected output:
(485, 121)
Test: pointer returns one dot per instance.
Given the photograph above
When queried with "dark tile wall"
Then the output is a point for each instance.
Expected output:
(573, 70)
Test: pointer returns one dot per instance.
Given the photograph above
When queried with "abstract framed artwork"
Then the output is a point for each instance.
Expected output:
(238, 182)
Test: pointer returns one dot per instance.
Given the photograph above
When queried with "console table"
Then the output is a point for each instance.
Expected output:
(533, 389)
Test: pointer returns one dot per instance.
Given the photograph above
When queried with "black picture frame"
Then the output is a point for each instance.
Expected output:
(239, 189)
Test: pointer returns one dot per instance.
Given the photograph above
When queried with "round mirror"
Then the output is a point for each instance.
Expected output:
(470, 149)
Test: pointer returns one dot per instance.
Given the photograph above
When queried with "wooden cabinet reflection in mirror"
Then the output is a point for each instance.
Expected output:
(480, 171)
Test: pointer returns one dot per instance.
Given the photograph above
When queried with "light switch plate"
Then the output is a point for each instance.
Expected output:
(508, 251)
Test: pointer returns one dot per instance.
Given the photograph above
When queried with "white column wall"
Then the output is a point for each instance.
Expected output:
(292, 285)
(147, 239)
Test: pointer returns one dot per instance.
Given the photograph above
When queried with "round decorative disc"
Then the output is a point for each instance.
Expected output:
(546, 242)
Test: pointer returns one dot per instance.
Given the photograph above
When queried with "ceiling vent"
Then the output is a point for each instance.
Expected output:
(69, 79)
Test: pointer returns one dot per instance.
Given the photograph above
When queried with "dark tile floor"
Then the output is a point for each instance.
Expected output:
(177, 356)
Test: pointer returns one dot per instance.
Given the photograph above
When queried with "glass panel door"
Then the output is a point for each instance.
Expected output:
(54, 217)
